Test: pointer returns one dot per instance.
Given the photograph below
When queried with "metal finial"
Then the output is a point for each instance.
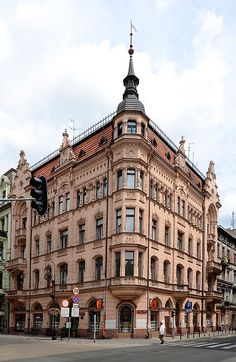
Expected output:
(131, 50)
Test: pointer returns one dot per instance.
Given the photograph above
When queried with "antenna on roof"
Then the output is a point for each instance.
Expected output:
(73, 128)
(232, 220)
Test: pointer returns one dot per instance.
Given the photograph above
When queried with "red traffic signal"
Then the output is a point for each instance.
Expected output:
(40, 194)
(99, 304)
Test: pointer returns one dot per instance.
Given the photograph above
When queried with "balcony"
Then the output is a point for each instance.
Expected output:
(214, 296)
(20, 234)
(180, 291)
(213, 267)
(15, 294)
(128, 287)
(18, 264)
(211, 239)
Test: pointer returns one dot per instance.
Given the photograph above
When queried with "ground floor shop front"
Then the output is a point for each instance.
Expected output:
(113, 317)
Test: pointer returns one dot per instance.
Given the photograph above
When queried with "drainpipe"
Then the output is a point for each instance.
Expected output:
(148, 253)
(30, 267)
(203, 259)
(106, 252)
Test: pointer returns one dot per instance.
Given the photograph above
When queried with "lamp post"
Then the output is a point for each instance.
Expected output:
(53, 310)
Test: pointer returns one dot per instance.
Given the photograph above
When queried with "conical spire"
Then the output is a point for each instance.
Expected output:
(130, 96)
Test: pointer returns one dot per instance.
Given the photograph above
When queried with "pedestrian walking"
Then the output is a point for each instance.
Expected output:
(161, 333)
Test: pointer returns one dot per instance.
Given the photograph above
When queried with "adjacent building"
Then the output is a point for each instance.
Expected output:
(131, 222)
(226, 281)
(6, 181)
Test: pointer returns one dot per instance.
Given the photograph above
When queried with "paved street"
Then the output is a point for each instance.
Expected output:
(28, 348)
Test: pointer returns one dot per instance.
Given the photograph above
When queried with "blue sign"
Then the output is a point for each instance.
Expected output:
(188, 305)
(75, 298)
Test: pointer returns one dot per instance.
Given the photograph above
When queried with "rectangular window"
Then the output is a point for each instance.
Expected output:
(81, 233)
(63, 275)
(183, 208)
(99, 229)
(235, 259)
(36, 282)
(167, 235)
(1, 250)
(129, 263)
(140, 221)
(178, 205)
(141, 180)
(1, 280)
(84, 196)
(190, 246)
(37, 247)
(64, 238)
(98, 268)
(67, 201)
(180, 241)
(218, 250)
(154, 229)
(153, 269)
(142, 129)
(131, 127)
(49, 243)
(140, 265)
(119, 129)
(24, 222)
(117, 264)
(81, 271)
(78, 198)
(130, 179)
(198, 250)
(105, 186)
(119, 180)
(98, 189)
(60, 205)
(130, 219)
(118, 221)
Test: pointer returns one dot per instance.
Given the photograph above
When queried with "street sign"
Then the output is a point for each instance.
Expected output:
(65, 312)
(188, 306)
(75, 298)
(65, 303)
(68, 325)
(75, 312)
(76, 290)
(75, 305)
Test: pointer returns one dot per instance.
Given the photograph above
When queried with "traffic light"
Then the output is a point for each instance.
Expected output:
(39, 193)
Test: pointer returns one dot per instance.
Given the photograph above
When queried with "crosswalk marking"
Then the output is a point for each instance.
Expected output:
(198, 345)
(229, 347)
(218, 345)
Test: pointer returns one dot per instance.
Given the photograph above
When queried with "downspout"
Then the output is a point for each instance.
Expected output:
(30, 267)
(203, 259)
(106, 253)
(148, 254)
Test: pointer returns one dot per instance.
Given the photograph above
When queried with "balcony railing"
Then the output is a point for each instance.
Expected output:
(213, 267)
(17, 263)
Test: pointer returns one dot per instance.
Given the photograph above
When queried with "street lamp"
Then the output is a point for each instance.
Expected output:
(53, 310)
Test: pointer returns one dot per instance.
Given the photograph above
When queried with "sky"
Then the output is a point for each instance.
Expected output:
(62, 64)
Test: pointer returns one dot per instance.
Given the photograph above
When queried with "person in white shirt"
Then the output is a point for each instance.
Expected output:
(161, 333)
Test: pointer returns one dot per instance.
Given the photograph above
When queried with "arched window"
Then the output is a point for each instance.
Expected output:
(119, 129)
(125, 318)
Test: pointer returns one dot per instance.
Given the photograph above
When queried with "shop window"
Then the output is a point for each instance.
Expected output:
(125, 318)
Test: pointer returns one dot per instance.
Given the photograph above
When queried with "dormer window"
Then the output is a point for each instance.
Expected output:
(81, 153)
(103, 141)
(132, 127)
(119, 129)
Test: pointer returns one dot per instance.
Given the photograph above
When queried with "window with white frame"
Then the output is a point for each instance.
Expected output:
(131, 127)
(130, 178)
(130, 211)
(67, 201)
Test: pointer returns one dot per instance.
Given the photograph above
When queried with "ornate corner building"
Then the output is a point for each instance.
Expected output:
(131, 222)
